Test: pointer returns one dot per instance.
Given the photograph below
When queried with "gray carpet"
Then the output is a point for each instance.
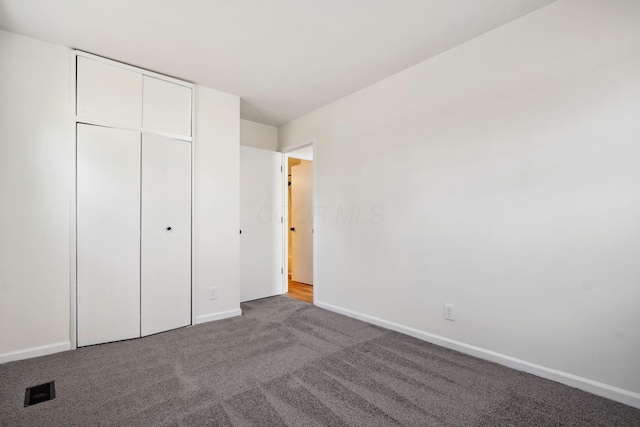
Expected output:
(285, 362)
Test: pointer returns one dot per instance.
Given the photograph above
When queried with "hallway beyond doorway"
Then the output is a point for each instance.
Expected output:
(300, 291)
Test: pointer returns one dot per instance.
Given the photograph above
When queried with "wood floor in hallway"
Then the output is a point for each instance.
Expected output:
(300, 291)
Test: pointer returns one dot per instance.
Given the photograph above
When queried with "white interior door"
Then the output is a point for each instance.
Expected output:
(108, 234)
(260, 213)
(302, 222)
(166, 234)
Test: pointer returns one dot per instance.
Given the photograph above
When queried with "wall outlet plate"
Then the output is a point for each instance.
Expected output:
(213, 293)
(449, 312)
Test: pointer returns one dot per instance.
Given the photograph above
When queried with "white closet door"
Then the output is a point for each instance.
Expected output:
(166, 234)
(108, 234)
(167, 107)
(260, 212)
(108, 93)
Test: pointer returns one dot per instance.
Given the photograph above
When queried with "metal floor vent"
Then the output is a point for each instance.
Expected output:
(40, 393)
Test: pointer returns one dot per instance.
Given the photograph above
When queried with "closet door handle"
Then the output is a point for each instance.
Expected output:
(292, 229)
(168, 228)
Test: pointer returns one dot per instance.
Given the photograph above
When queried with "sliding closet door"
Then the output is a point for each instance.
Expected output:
(108, 234)
(166, 234)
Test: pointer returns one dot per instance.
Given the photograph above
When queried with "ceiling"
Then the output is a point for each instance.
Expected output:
(284, 58)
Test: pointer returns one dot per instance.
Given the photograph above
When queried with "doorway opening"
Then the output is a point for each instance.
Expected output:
(299, 245)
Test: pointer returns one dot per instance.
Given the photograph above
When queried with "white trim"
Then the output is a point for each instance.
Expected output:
(194, 148)
(285, 223)
(41, 350)
(610, 392)
(218, 316)
(133, 68)
(112, 124)
(340, 310)
(315, 220)
(284, 252)
(293, 147)
(72, 204)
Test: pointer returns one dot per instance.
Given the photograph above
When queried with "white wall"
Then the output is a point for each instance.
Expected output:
(257, 135)
(501, 176)
(35, 177)
(36, 169)
(304, 153)
(217, 204)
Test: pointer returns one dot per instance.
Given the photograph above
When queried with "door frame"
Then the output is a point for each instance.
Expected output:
(285, 213)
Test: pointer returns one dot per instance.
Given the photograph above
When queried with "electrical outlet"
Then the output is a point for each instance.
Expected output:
(213, 293)
(448, 312)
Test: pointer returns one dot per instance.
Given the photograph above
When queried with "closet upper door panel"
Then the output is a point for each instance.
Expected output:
(108, 93)
(167, 107)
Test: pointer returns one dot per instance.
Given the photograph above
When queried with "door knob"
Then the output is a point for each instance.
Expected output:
(292, 229)
(168, 228)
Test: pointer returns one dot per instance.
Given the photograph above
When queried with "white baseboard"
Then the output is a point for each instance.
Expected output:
(610, 392)
(41, 350)
(218, 316)
(44, 350)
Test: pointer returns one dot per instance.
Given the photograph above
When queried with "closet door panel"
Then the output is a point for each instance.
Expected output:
(108, 234)
(166, 234)
(108, 93)
(167, 107)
